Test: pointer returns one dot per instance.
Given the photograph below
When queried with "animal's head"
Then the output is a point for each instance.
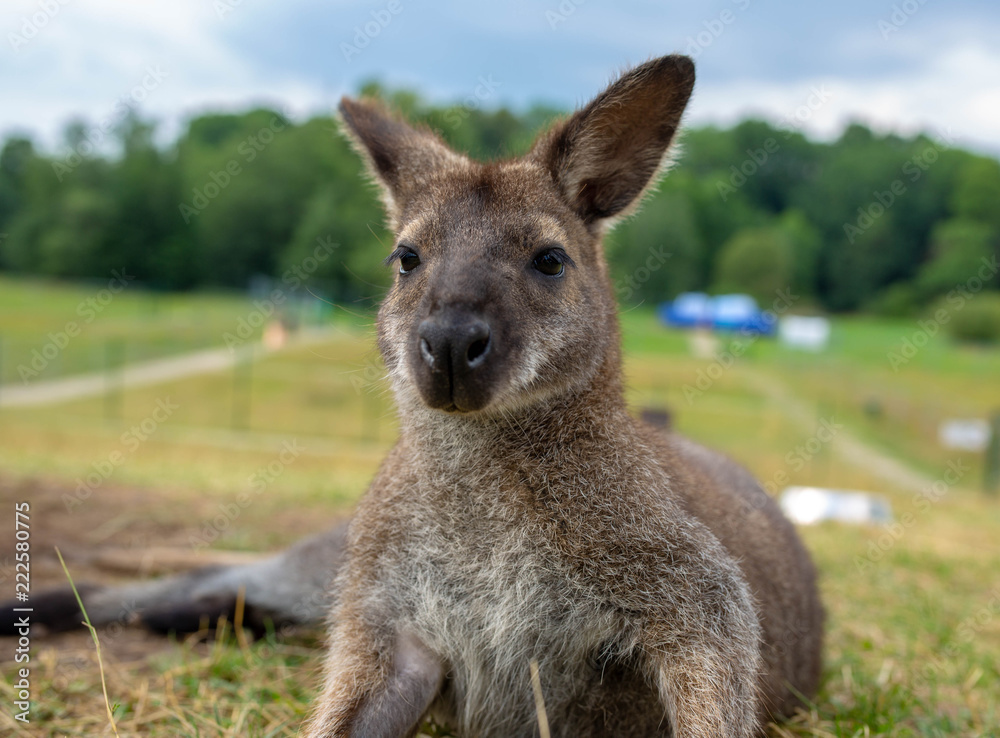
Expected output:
(502, 296)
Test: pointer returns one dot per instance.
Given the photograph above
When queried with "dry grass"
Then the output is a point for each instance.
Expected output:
(914, 614)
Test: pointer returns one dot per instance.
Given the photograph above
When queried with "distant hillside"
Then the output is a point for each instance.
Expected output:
(865, 222)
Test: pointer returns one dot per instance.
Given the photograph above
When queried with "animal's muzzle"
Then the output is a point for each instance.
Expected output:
(454, 353)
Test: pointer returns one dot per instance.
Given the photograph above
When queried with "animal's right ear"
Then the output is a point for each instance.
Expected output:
(610, 152)
(399, 156)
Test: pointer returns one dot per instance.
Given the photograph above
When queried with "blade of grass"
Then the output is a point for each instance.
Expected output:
(536, 686)
(97, 643)
(241, 637)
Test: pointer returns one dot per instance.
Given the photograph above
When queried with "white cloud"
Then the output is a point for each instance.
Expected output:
(955, 88)
(90, 53)
(86, 57)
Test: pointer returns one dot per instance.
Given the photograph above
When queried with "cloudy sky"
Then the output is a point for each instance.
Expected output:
(901, 65)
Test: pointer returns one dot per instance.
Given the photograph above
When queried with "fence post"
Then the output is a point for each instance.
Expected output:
(242, 388)
(114, 369)
(991, 460)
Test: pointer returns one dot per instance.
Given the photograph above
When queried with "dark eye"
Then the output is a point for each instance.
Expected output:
(408, 261)
(550, 263)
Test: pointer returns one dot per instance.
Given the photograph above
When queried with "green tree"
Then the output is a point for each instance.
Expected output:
(15, 157)
(958, 250)
(333, 253)
(656, 256)
(868, 220)
(978, 321)
(756, 261)
(806, 243)
(976, 193)
(72, 245)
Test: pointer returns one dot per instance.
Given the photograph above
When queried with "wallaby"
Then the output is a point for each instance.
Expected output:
(523, 515)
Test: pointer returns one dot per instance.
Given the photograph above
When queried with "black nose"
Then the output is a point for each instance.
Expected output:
(454, 346)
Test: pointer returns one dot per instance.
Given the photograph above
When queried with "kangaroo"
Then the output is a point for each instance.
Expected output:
(524, 516)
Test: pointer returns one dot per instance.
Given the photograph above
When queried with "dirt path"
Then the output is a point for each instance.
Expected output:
(157, 371)
(845, 444)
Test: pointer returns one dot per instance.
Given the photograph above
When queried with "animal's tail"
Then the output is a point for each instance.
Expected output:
(290, 587)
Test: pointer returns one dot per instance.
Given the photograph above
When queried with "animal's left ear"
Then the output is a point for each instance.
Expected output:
(606, 154)
(401, 157)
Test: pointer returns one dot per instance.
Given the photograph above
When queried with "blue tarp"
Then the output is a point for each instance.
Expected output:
(723, 313)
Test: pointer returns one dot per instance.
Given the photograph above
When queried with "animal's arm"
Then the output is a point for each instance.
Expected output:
(707, 695)
(376, 686)
(704, 656)
(379, 678)
(697, 630)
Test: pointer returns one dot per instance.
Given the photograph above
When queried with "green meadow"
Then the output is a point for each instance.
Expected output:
(913, 633)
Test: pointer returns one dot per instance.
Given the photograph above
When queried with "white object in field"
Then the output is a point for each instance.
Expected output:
(704, 344)
(970, 434)
(809, 505)
(804, 332)
(275, 335)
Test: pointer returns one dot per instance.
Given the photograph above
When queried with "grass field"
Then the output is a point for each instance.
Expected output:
(913, 640)
(49, 331)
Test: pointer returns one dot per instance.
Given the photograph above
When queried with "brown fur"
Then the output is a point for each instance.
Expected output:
(524, 514)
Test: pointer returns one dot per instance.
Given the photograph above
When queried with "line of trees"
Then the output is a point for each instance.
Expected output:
(866, 222)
